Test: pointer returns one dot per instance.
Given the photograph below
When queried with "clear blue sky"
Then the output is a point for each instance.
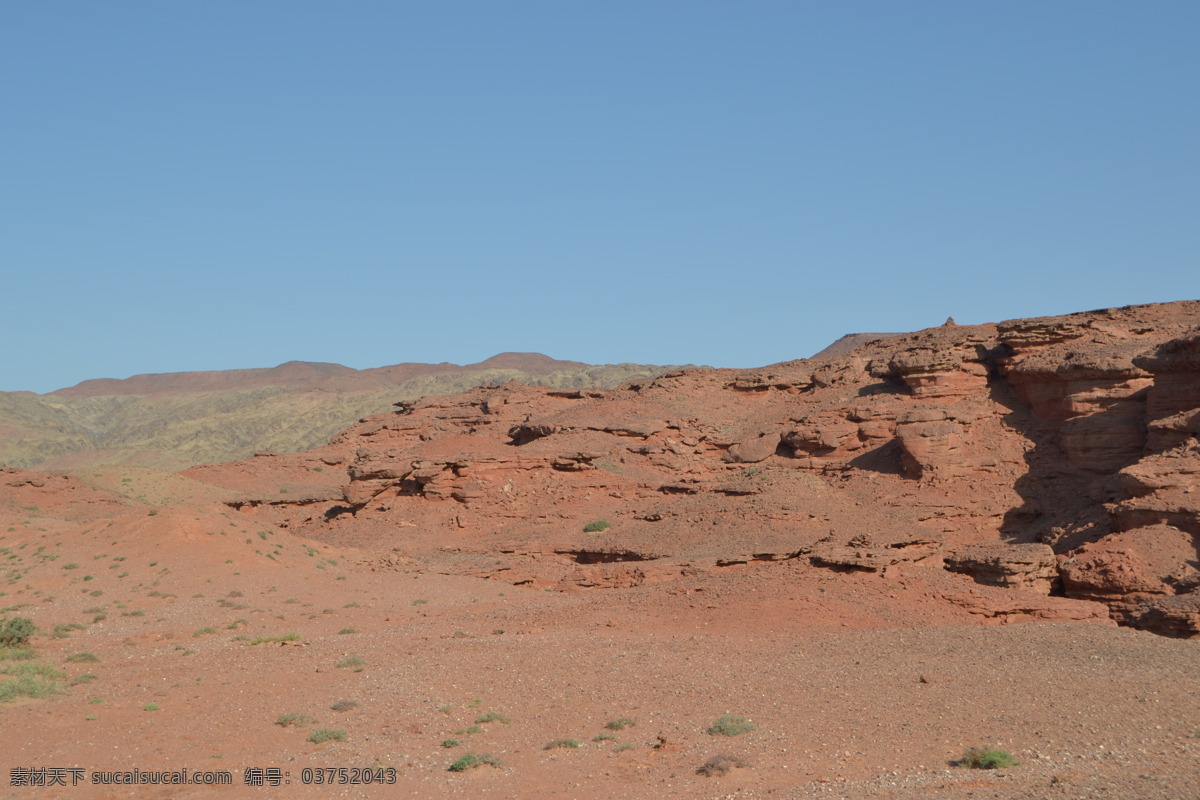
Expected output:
(213, 185)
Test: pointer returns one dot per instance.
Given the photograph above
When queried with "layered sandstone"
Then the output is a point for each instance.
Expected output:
(1037, 457)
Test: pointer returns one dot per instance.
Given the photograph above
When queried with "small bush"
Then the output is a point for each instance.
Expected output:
(16, 631)
(351, 661)
(27, 687)
(152, 706)
(291, 719)
(597, 526)
(450, 743)
(729, 725)
(344, 631)
(474, 761)
(563, 744)
(287, 637)
(29, 679)
(344, 705)
(605, 737)
(81, 658)
(492, 716)
(619, 724)
(327, 735)
(205, 631)
(719, 765)
(982, 758)
(17, 653)
(30, 669)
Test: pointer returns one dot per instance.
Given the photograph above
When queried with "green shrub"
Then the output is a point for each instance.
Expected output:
(344, 705)
(492, 716)
(16, 631)
(474, 761)
(27, 687)
(351, 661)
(983, 758)
(326, 735)
(729, 725)
(563, 744)
(597, 526)
(81, 658)
(287, 637)
(29, 679)
(205, 631)
(450, 743)
(619, 724)
(152, 706)
(290, 719)
(17, 653)
(605, 737)
(29, 669)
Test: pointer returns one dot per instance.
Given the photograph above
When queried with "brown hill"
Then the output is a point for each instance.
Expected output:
(177, 419)
(306, 375)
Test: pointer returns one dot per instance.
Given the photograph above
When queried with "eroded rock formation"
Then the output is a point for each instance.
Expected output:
(1040, 467)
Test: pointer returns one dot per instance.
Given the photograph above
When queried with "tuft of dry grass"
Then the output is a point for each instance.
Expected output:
(720, 765)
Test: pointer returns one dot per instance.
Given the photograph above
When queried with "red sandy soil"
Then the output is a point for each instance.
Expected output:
(881, 558)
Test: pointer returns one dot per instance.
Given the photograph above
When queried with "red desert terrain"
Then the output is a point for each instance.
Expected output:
(826, 578)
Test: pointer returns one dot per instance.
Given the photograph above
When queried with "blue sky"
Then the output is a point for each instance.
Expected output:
(218, 185)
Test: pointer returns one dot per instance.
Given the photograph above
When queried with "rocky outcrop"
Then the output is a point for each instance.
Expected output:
(751, 451)
(1017, 461)
(1133, 566)
(1171, 616)
(1031, 567)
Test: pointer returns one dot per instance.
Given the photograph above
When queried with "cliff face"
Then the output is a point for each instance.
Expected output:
(1033, 468)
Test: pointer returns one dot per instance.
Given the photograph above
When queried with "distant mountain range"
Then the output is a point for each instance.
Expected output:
(178, 419)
